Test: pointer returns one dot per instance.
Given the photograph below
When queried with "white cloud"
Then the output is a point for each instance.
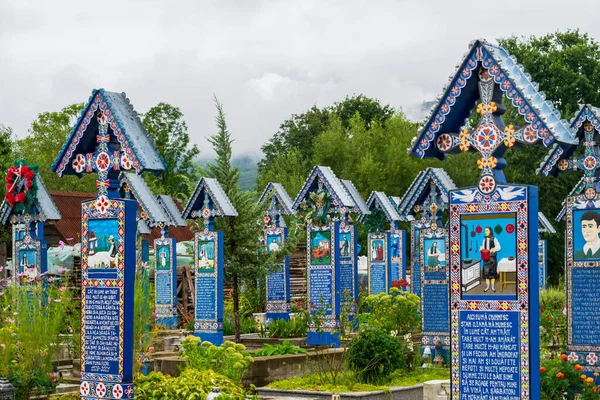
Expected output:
(270, 84)
(264, 59)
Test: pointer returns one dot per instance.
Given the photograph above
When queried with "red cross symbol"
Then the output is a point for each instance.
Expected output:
(101, 389)
(117, 391)
(84, 388)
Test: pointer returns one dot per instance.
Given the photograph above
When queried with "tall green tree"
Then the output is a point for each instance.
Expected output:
(243, 260)
(565, 64)
(166, 125)
(299, 132)
(47, 135)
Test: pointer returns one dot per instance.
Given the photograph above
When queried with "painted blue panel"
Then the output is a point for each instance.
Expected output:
(498, 336)
(348, 264)
(208, 324)
(101, 329)
(378, 262)
(206, 307)
(585, 319)
(166, 282)
(377, 279)
(415, 273)
(108, 274)
(397, 254)
(489, 355)
(436, 315)
(276, 285)
(321, 295)
(323, 277)
(278, 282)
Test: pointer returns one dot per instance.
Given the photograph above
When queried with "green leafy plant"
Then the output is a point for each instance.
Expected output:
(281, 349)
(144, 329)
(561, 379)
(553, 321)
(331, 363)
(247, 322)
(348, 381)
(294, 328)
(229, 359)
(375, 354)
(396, 313)
(33, 323)
(191, 384)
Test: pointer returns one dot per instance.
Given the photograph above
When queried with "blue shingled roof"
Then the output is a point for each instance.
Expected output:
(561, 151)
(171, 209)
(420, 188)
(337, 191)
(379, 200)
(363, 209)
(544, 224)
(280, 194)
(221, 205)
(124, 123)
(145, 198)
(460, 96)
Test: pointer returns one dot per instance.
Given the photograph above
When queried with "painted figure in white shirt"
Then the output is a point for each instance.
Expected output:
(590, 229)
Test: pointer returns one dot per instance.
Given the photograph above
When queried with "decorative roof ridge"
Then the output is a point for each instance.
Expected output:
(283, 196)
(381, 201)
(147, 201)
(175, 218)
(105, 96)
(222, 203)
(406, 197)
(359, 202)
(443, 184)
(545, 225)
(518, 78)
(560, 151)
(341, 195)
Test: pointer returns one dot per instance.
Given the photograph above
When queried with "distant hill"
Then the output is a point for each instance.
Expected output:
(248, 169)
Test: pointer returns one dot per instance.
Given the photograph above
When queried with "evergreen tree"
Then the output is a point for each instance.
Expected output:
(243, 260)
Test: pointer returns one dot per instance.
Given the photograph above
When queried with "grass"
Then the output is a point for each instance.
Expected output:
(349, 383)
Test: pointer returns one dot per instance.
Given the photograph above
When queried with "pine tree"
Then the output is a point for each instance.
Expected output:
(241, 233)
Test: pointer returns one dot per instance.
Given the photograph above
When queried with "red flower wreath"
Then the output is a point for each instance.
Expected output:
(21, 187)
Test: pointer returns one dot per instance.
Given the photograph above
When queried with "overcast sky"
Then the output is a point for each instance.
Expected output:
(263, 59)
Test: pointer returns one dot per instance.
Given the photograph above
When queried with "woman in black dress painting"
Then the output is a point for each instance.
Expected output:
(490, 266)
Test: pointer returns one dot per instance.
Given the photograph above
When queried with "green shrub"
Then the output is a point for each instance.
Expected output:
(561, 379)
(191, 384)
(396, 313)
(294, 328)
(374, 354)
(279, 350)
(229, 359)
(33, 319)
(247, 322)
(553, 321)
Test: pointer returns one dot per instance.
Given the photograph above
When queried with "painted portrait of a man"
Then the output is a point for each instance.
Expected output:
(590, 230)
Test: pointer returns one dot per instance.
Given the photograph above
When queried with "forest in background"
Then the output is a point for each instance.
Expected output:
(358, 137)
